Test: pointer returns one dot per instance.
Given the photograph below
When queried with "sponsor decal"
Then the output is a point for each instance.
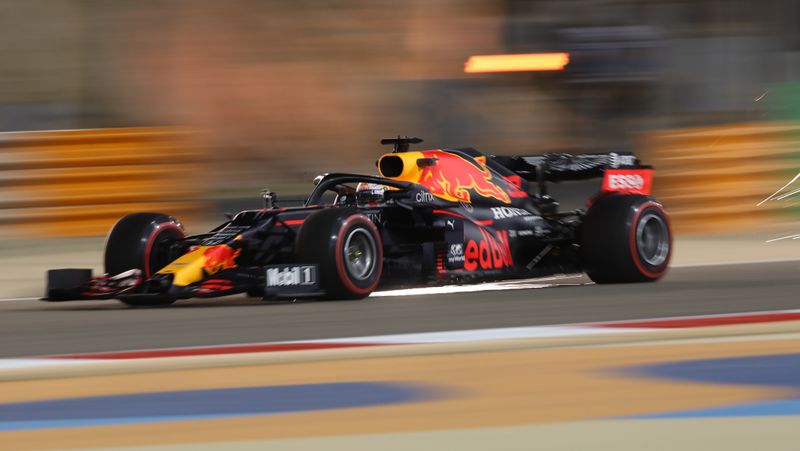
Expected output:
(455, 255)
(424, 197)
(220, 257)
(375, 216)
(199, 262)
(627, 181)
(616, 160)
(509, 212)
(291, 276)
(490, 252)
(619, 181)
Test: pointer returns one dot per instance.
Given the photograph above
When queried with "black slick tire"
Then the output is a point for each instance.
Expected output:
(625, 239)
(142, 241)
(348, 249)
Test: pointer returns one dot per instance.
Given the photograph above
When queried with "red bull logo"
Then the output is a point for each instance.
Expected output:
(452, 178)
(201, 262)
(219, 257)
(489, 252)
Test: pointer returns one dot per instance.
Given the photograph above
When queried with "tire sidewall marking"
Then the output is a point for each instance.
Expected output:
(633, 245)
(344, 277)
(159, 229)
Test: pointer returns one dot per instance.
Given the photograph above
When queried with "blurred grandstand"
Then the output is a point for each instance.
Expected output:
(281, 91)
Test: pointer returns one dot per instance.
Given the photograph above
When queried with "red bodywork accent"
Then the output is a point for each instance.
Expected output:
(216, 285)
(440, 263)
(445, 212)
(515, 186)
(514, 180)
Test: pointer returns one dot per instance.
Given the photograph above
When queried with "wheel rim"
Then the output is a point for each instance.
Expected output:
(159, 256)
(652, 239)
(359, 254)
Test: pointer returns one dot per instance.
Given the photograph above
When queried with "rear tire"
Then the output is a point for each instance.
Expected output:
(142, 241)
(625, 239)
(348, 249)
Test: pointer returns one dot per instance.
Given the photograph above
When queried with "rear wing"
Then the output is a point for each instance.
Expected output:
(621, 172)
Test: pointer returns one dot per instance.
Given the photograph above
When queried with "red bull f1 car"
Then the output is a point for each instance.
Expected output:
(438, 216)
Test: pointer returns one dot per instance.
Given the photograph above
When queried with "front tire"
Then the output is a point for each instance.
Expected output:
(142, 241)
(348, 249)
(625, 239)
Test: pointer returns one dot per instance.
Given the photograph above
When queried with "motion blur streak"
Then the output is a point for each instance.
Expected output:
(192, 108)
(528, 62)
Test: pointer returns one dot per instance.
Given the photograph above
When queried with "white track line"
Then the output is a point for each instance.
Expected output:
(458, 289)
(505, 333)
(743, 262)
(19, 299)
(14, 363)
(518, 284)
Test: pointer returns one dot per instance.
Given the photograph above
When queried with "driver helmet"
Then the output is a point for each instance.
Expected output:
(369, 193)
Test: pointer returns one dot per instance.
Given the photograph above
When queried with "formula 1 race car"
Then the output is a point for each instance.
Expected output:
(432, 217)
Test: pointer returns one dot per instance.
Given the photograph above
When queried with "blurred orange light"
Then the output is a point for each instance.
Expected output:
(524, 62)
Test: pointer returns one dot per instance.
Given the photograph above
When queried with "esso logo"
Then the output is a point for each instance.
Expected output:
(628, 181)
(625, 181)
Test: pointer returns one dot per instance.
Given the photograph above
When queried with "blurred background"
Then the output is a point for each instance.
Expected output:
(192, 108)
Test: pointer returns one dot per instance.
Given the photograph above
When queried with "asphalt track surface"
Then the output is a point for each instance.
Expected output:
(29, 328)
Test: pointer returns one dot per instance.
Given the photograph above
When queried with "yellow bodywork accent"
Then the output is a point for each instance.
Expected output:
(411, 171)
(199, 263)
(448, 176)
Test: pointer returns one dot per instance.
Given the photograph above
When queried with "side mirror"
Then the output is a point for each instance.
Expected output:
(270, 198)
